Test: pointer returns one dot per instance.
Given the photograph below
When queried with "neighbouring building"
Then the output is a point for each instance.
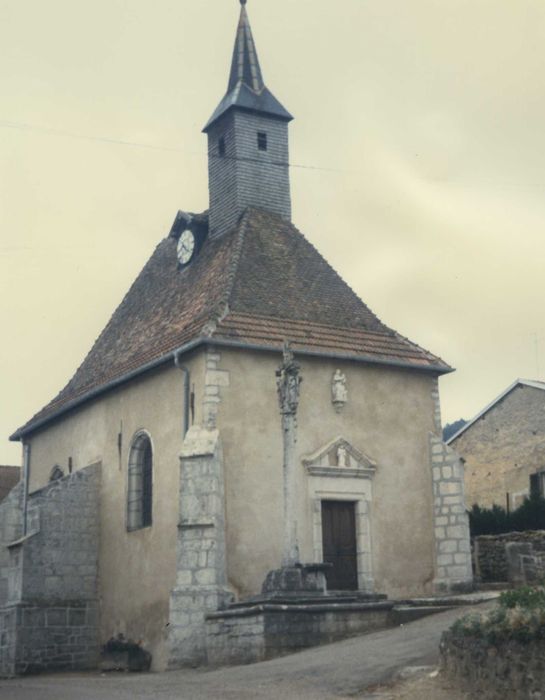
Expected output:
(503, 447)
(9, 476)
(152, 490)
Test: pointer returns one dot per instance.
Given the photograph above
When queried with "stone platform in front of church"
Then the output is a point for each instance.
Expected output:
(264, 628)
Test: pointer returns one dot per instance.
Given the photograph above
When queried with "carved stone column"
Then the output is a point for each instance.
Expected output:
(287, 382)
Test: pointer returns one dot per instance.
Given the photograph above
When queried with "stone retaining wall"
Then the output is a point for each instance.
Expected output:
(490, 555)
(510, 670)
(37, 637)
(48, 610)
(260, 632)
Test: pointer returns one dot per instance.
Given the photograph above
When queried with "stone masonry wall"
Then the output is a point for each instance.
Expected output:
(453, 551)
(50, 613)
(490, 557)
(215, 379)
(503, 447)
(261, 632)
(60, 555)
(11, 529)
(246, 176)
(509, 670)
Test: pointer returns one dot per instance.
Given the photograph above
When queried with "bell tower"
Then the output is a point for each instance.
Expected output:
(248, 154)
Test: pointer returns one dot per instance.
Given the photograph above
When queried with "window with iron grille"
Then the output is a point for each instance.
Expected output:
(140, 486)
(262, 140)
(221, 147)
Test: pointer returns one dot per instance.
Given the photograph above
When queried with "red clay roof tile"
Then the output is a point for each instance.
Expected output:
(260, 284)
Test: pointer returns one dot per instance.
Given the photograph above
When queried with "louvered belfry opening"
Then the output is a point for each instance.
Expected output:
(140, 486)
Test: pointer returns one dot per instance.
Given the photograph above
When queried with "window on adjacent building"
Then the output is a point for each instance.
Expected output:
(221, 147)
(140, 491)
(262, 140)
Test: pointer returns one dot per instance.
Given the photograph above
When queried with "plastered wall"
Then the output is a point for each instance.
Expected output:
(388, 416)
(136, 569)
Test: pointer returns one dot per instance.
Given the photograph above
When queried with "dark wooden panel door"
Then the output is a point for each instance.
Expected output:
(339, 543)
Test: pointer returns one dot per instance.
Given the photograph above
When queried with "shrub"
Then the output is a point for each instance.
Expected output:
(520, 616)
(530, 515)
(526, 597)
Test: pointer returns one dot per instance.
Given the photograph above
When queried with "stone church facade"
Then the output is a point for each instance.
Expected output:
(152, 488)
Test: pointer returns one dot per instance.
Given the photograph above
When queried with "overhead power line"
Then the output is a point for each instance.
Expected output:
(135, 144)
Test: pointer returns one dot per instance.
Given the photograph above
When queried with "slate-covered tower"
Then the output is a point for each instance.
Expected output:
(247, 142)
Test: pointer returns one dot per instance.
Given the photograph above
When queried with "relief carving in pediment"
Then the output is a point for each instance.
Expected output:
(339, 458)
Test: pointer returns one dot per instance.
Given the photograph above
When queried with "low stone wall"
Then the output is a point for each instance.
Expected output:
(259, 632)
(490, 555)
(37, 637)
(511, 670)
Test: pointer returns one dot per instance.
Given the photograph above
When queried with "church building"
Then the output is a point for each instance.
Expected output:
(152, 490)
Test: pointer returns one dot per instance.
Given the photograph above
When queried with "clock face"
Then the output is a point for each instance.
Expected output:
(186, 247)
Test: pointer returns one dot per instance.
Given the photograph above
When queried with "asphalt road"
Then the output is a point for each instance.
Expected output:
(338, 670)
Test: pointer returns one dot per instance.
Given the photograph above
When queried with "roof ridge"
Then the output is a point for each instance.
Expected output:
(222, 308)
(235, 258)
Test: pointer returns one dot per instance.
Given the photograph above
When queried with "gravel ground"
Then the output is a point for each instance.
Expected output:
(426, 685)
(346, 669)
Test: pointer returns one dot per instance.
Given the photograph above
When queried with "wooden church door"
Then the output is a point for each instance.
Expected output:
(339, 544)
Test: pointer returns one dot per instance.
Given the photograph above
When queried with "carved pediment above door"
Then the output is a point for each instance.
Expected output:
(339, 458)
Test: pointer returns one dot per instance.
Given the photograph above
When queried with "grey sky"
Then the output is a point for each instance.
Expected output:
(430, 113)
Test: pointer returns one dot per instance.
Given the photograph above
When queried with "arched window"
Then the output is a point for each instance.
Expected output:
(140, 492)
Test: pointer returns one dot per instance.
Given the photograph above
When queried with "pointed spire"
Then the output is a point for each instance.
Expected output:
(245, 64)
(246, 88)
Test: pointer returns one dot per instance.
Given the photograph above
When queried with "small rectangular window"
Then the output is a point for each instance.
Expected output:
(262, 140)
(221, 147)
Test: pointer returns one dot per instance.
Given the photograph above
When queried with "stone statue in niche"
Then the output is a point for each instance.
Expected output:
(342, 456)
(339, 392)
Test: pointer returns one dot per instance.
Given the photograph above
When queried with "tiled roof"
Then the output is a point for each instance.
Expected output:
(9, 476)
(257, 285)
(322, 339)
